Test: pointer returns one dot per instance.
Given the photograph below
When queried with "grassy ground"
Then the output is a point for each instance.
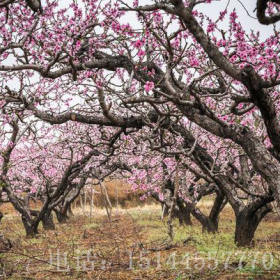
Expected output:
(135, 245)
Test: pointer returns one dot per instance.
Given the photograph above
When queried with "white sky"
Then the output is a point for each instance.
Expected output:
(212, 10)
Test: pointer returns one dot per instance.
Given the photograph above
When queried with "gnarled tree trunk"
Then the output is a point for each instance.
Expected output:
(61, 215)
(47, 221)
(183, 214)
(246, 224)
(210, 223)
(31, 228)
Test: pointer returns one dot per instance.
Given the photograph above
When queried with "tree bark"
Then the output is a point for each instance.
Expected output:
(183, 214)
(61, 215)
(47, 222)
(246, 225)
(47, 219)
(70, 212)
(208, 225)
(218, 206)
(31, 229)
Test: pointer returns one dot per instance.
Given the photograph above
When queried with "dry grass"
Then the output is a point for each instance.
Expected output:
(133, 231)
(119, 192)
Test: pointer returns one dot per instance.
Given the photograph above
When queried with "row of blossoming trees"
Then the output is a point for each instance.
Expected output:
(181, 107)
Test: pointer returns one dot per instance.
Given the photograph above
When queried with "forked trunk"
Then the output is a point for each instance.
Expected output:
(183, 214)
(31, 228)
(246, 225)
(208, 225)
(47, 222)
(61, 215)
(70, 212)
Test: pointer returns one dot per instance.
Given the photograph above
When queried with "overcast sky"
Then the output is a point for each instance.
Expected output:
(248, 23)
(213, 10)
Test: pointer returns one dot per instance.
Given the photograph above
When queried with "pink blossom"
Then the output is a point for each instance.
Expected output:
(149, 86)
(138, 44)
(141, 53)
